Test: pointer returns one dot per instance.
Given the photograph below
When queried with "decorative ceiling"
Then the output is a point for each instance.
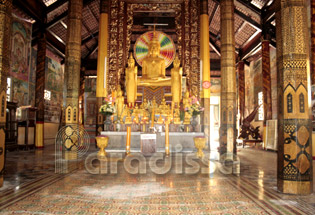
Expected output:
(253, 18)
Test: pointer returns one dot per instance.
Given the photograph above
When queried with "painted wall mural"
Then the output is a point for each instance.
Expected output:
(21, 46)
(90, 102)
(274, 82)
(20, 60)
(53, 83)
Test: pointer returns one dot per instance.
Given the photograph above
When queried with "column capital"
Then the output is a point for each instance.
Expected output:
(203, 7)
(104, 6)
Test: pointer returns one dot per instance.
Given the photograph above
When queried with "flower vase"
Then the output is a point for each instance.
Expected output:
(194, 122)
(118, 127)
(107, 122)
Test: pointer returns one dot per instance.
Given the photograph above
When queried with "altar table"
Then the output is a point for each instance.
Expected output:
(179, 141)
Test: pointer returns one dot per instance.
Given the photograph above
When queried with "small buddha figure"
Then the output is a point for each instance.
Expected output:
(154, 104)
(144, 104)
(176, 73)
(164, 108)
(128, 117)
(115, 93)
(153, 66)
(119, 103)
(176, 116)
(187, 104)
(135, 111)
(131, 81)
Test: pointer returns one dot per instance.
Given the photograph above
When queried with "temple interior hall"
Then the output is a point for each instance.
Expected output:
(157, 107)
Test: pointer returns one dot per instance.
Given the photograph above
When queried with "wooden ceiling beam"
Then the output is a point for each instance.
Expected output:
(55, 5)
(94, 48)
(247, 19)
(33, 8)
(57, 19)
(56, 43)
(250, 46)
(88, 38)
(249, 5)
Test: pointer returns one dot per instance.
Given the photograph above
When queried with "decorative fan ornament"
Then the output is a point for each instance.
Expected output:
(167, 47)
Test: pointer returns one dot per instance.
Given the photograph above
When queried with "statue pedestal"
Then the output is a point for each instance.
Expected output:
(148, 144)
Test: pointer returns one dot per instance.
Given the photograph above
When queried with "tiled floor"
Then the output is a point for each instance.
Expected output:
(32, 187)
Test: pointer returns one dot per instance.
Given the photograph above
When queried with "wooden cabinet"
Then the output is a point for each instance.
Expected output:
(11, 132)
(26, 128)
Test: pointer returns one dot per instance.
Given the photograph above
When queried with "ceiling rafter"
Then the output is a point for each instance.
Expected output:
(249, 5)
(93, 49)
(32, 8)
(55, 5)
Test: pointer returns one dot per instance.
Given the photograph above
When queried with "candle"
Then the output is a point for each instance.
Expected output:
(152, 118)
(128, 140)
(167, 138)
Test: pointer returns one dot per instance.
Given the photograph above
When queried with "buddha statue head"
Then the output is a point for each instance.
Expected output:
(154, 46)
(131, 61)
(119, 94)
(176, 62)
(187, 94)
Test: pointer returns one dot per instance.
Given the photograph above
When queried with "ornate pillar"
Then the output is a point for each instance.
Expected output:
(266, 80)
(313, 59)
(73, 61)
(101, 82)
(205, 66)
(241, 88)
(40, 87)
(102, 62)
(5, 49)
(228, 79)
(294, 125)
(266, 83)
(81, 96)
(313, 42)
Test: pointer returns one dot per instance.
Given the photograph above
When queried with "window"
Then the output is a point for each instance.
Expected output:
(261, 108)
(8, 89)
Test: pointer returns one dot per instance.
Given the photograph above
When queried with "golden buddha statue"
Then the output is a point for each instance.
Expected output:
(176, 73)
(153, 66)
(136, 111)
(131, 81)
(176, 116)
(164, 108)
(187, 104)
(119, 103)
(128, 117)
(154, 104)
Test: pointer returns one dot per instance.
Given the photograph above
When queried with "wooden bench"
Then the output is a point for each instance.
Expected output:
(251, 141)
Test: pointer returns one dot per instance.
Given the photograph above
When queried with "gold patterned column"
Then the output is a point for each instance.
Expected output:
(294, 125)
(228, 79)
(40, 87)
(241, 88)
(205, 66)
(73, 61)
(81, 96)
(313, 43)
(266, 80)
(102, 62)
(266, 83)
(313, 60)
(5, 49)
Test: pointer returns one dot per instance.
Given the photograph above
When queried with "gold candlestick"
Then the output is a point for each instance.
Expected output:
(167, 138)
(152, 118)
